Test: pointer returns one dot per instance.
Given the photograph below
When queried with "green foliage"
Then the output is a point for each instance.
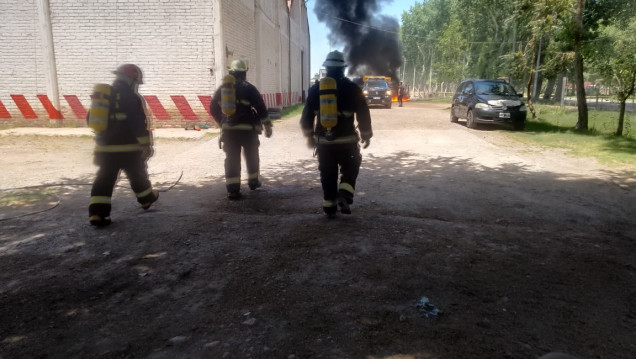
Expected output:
(452, 52)
(500, 38)
(614, 56)
(515, 64)
(421, 28)
(601, 12)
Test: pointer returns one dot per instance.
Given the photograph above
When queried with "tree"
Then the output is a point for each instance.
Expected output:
(615, 59)
(503, 38)
(493, 29)
(421, 27)
(452, 52)
(579, 82)
(546, 17)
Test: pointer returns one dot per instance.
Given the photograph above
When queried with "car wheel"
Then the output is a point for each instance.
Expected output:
(519, 126)
(453, 118)
(470, 122)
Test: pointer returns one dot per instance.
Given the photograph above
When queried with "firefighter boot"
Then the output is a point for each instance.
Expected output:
(234, 195)
(329, 208)
(99, 221)
(254, 184)
(155, 197)
(344, 205)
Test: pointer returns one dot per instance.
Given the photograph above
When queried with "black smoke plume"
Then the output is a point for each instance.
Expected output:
(370, 39)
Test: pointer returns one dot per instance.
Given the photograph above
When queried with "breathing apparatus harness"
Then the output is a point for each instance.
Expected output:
(328, 90)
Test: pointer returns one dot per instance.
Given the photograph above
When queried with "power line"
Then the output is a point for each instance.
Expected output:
(359, 24)
(394, 32)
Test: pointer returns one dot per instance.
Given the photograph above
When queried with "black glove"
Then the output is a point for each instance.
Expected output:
(311, 142)
(366, 143)
(147, 151)
(268, 130)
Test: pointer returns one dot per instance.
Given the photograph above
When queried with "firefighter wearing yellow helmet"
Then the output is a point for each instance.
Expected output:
(328, 122)
(122, 142)
(240, 112)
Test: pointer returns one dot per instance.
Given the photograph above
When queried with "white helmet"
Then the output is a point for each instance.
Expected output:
(334, 59)
(238, 66)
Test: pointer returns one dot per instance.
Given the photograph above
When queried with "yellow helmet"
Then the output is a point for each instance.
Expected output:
(238, 65)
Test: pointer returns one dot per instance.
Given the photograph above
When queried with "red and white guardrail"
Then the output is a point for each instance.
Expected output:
(34, 110)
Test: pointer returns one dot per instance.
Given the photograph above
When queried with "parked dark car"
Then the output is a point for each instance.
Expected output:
(377, 92)
(488, 102)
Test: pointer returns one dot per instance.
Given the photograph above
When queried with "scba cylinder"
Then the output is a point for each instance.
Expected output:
(328, 103)
(100, 107)
(228, 95)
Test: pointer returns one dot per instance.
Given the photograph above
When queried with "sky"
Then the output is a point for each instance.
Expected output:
(319, 32)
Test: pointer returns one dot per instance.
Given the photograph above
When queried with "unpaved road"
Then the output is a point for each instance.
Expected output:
(524, 251)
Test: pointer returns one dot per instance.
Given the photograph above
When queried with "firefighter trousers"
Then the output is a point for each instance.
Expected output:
(334, 160)
(110, 165)
(233, 142)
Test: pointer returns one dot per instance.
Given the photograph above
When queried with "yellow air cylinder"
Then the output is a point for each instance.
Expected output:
(100, 105)
(328, 103)
(228, 95)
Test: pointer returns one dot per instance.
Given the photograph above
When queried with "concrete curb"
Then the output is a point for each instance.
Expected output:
(85, 131)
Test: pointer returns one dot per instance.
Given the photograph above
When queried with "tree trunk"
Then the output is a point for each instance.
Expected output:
(623, 96)
(549, 88)
(559, 89)
(578, 68)
(621, 116)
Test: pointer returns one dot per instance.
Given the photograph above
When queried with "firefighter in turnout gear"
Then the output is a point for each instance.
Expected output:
(334, 102)
(123, 142)
(241, 114)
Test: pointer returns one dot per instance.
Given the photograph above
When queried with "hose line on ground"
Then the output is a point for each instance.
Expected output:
(59, 200)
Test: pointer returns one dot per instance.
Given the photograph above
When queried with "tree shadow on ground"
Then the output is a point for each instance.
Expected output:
(520, 262)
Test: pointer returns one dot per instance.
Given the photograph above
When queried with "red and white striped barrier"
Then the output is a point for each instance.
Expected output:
(179, 110)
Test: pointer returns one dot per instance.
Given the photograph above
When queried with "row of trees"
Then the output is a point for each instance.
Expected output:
(528, 41)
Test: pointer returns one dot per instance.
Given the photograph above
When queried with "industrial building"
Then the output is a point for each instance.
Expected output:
(53, 51)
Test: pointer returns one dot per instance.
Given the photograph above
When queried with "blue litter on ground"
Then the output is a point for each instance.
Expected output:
(427, 308)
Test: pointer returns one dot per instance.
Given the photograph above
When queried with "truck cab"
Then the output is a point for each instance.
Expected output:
(377, 90)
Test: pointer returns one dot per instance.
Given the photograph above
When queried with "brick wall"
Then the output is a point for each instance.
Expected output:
(172, 41)
(21, 52)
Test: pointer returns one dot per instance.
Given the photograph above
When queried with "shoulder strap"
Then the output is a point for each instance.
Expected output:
(112, 104)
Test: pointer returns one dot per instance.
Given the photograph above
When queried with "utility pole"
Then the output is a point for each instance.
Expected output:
(535, 90)
(430, 73)
(220, 49)
(564, 90)
(46, 30)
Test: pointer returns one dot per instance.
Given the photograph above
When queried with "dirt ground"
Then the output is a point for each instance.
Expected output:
(522, 250)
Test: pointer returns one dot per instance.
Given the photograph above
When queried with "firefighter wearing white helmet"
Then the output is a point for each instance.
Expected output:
(328, 122)
(123, 142)
(239, 110)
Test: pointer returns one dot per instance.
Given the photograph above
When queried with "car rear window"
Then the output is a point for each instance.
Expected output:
(495, 88)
